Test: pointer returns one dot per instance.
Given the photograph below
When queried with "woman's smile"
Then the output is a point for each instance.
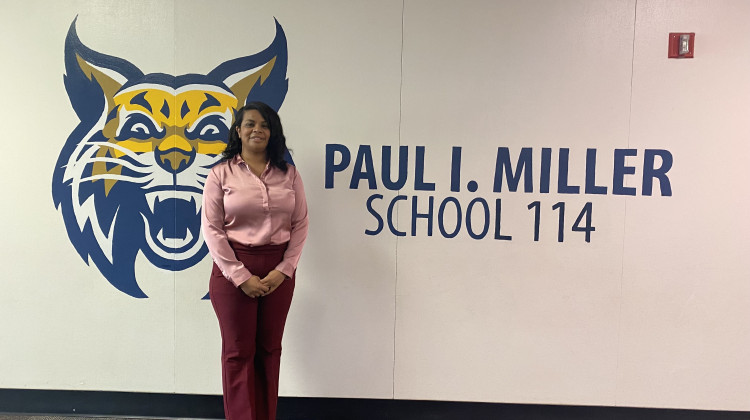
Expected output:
(254, 132)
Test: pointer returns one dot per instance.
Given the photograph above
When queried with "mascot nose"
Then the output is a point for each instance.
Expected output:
(175, 154)
(175, 142)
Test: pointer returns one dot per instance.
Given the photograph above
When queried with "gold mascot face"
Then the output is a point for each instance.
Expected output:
(130, 177)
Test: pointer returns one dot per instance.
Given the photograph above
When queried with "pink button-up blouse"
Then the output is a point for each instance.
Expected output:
(239, 206)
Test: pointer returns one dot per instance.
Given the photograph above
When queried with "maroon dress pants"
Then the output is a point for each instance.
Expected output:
(251, 331)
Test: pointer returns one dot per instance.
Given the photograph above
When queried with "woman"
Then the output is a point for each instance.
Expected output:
(254, 222)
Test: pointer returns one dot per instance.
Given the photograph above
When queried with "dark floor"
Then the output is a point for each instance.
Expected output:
(56, 418)
(40, 417)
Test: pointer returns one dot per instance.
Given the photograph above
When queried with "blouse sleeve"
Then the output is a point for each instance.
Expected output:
(212, 224)
(298, 234)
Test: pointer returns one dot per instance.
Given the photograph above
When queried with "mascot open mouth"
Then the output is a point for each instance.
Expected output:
(173, 225)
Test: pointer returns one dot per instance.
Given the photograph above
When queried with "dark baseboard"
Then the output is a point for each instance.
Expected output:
(137, 404)
(109, 404)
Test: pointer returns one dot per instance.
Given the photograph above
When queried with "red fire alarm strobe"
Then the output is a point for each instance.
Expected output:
(681, 45)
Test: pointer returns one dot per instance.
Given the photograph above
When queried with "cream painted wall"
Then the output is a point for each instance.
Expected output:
(652, 312)
(684, 324)
(520, 320)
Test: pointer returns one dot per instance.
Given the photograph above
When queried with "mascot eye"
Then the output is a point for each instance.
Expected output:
(140, 127)
(210, 128)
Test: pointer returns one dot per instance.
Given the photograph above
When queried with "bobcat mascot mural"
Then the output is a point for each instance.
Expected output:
(130, 176)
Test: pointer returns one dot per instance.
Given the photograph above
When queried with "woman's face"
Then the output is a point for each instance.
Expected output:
(254, 132)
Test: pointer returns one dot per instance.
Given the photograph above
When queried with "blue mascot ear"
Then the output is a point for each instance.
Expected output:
(91, 78)
(258, 77)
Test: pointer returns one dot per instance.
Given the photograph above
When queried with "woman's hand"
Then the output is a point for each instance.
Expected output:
(254, 288)
(273, 280)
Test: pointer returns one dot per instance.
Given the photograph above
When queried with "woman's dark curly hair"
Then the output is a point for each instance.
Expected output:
(276, 149)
